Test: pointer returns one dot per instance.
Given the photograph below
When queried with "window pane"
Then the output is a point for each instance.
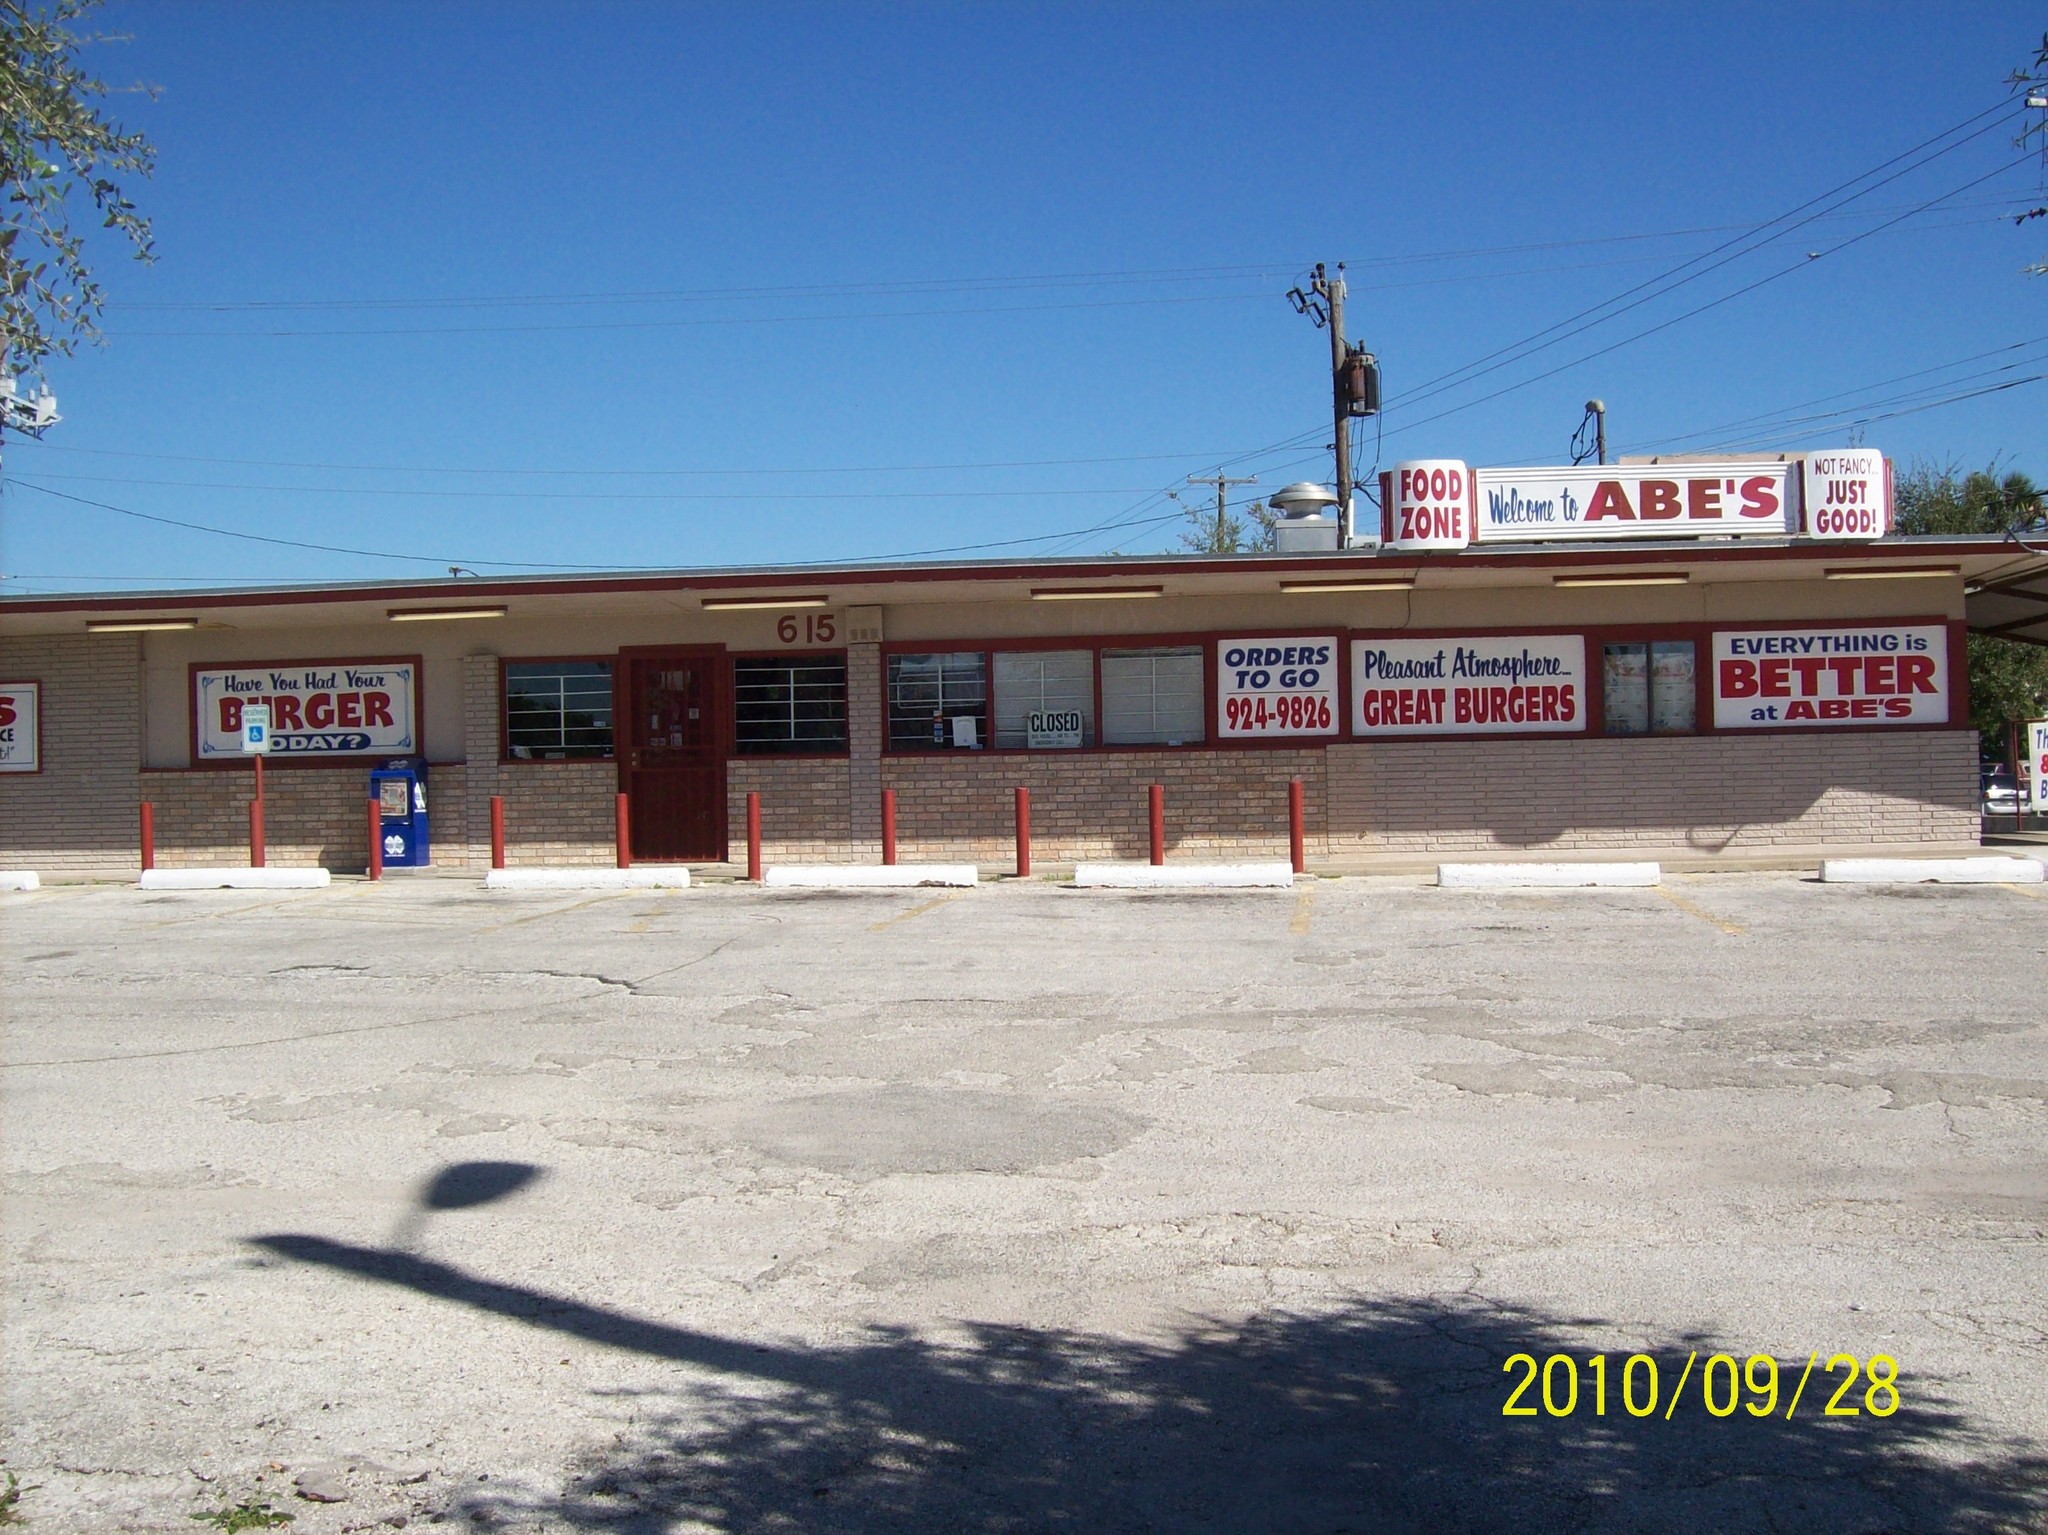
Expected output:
(928, 693)
(1152, 696)
(1626, 683)
(789, 706)
(1673, 695)
(558, 709)
(1035, 681)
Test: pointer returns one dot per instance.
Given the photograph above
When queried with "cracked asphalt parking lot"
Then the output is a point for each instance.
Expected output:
(1023, 1208)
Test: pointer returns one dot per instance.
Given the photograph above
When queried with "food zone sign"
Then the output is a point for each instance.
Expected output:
(1769, 678)
(331, 709)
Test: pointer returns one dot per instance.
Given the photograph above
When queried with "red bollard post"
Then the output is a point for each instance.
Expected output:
(1158, 825)
(256, 820)
(148, 836)
(497, 831)
(1023, 833)
(754, 836)
(888, 826)
(624, 834)
(1294, 826)
(376, 838)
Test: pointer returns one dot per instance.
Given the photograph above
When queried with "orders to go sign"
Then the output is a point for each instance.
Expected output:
(1277, 687)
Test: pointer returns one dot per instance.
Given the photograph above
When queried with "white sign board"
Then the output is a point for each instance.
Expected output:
(255, 730)
(1049, 729)
(1718, 500)
(1768, 678)
(2037, 762)
(328, 709)
(1428, 504)
(1276, 687)
(1491, 685)
(1847, 495)
(21, 727)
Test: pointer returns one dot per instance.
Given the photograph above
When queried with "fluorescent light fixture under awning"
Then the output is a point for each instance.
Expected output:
(424, 615)
(736, 604)
(1089, 593)
(1359, 584)
(137, 625)
(1680, 578)
(1893, 573)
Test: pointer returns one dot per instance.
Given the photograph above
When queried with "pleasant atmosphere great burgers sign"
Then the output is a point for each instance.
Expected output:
(328, 709)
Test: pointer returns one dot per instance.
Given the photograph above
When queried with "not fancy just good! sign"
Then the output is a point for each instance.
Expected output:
(327, 709)
(1496, 685)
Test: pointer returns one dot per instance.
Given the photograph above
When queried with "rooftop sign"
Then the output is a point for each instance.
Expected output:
(1444, 504)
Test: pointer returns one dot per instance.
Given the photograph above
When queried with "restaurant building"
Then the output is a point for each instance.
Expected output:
(1680, 659)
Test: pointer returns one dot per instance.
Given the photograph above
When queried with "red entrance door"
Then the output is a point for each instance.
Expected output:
(674, 769)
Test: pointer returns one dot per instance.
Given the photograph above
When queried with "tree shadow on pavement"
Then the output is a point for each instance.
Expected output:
(1377, 1416)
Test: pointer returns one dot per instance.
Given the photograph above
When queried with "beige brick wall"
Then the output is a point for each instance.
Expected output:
(79, 814)
(312, 817)
(1701, 794)
(555, 813)
(804, 808)
(1096, 804)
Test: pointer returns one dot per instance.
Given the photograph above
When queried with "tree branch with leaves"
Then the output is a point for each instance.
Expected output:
(59, 152)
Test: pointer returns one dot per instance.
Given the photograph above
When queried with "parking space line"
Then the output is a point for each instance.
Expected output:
(1304, 911)
(1694, 911)
(915, 911)
(2031, 892)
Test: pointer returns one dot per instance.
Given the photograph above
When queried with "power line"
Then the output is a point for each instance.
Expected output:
(1741, 245)
(597, 495)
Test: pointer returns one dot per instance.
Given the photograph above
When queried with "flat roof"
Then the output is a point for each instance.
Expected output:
(1986, 563)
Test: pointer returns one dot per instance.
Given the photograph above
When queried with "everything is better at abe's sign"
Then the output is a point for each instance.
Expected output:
(328, 709)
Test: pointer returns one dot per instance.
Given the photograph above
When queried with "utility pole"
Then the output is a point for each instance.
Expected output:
(1595, 417)
(1332, 290)
(1222, 482)
(1354, 378)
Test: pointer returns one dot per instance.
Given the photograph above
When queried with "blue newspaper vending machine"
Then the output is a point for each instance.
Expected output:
(400, 788)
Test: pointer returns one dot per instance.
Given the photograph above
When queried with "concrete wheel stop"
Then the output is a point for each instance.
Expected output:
(1986, 870)
(638, 877)
(1184, 876)
(859, 876)
(233, 879)
(1547, 876)
(19, 879)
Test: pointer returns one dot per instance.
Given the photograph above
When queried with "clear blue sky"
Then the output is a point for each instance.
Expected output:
(749, 283)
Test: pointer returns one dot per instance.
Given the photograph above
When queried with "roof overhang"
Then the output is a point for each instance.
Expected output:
(2010, 582)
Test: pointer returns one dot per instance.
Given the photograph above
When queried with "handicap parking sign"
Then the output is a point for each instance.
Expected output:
(255, 730)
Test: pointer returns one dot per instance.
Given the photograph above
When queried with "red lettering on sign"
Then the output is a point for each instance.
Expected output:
(1759, 496)
(1703, 499)
(376, 709)
(351, 711)
(1898, 708)
(231, 716)
(1776, 679)
(319, 711)
(1609, 500)
(7, 711)
(1660, 500)
(1738, 679)
(1880, 675)
(1800, 709)
(285, 711)
(1916, 674)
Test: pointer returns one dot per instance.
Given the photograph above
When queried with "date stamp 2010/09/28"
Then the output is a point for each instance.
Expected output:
(1725, 1386)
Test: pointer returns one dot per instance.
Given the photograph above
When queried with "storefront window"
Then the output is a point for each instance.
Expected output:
(1152, 697)
(782, 705)
(1649, 688)
(555, 710)
(938, 701)
(1051, 690)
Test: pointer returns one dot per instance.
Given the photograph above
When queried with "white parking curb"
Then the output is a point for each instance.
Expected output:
(665, 877)
(1184, 876)
(19, 879)
(232, 879)
(856, 876)
(1989, 870)
(1546, 876)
